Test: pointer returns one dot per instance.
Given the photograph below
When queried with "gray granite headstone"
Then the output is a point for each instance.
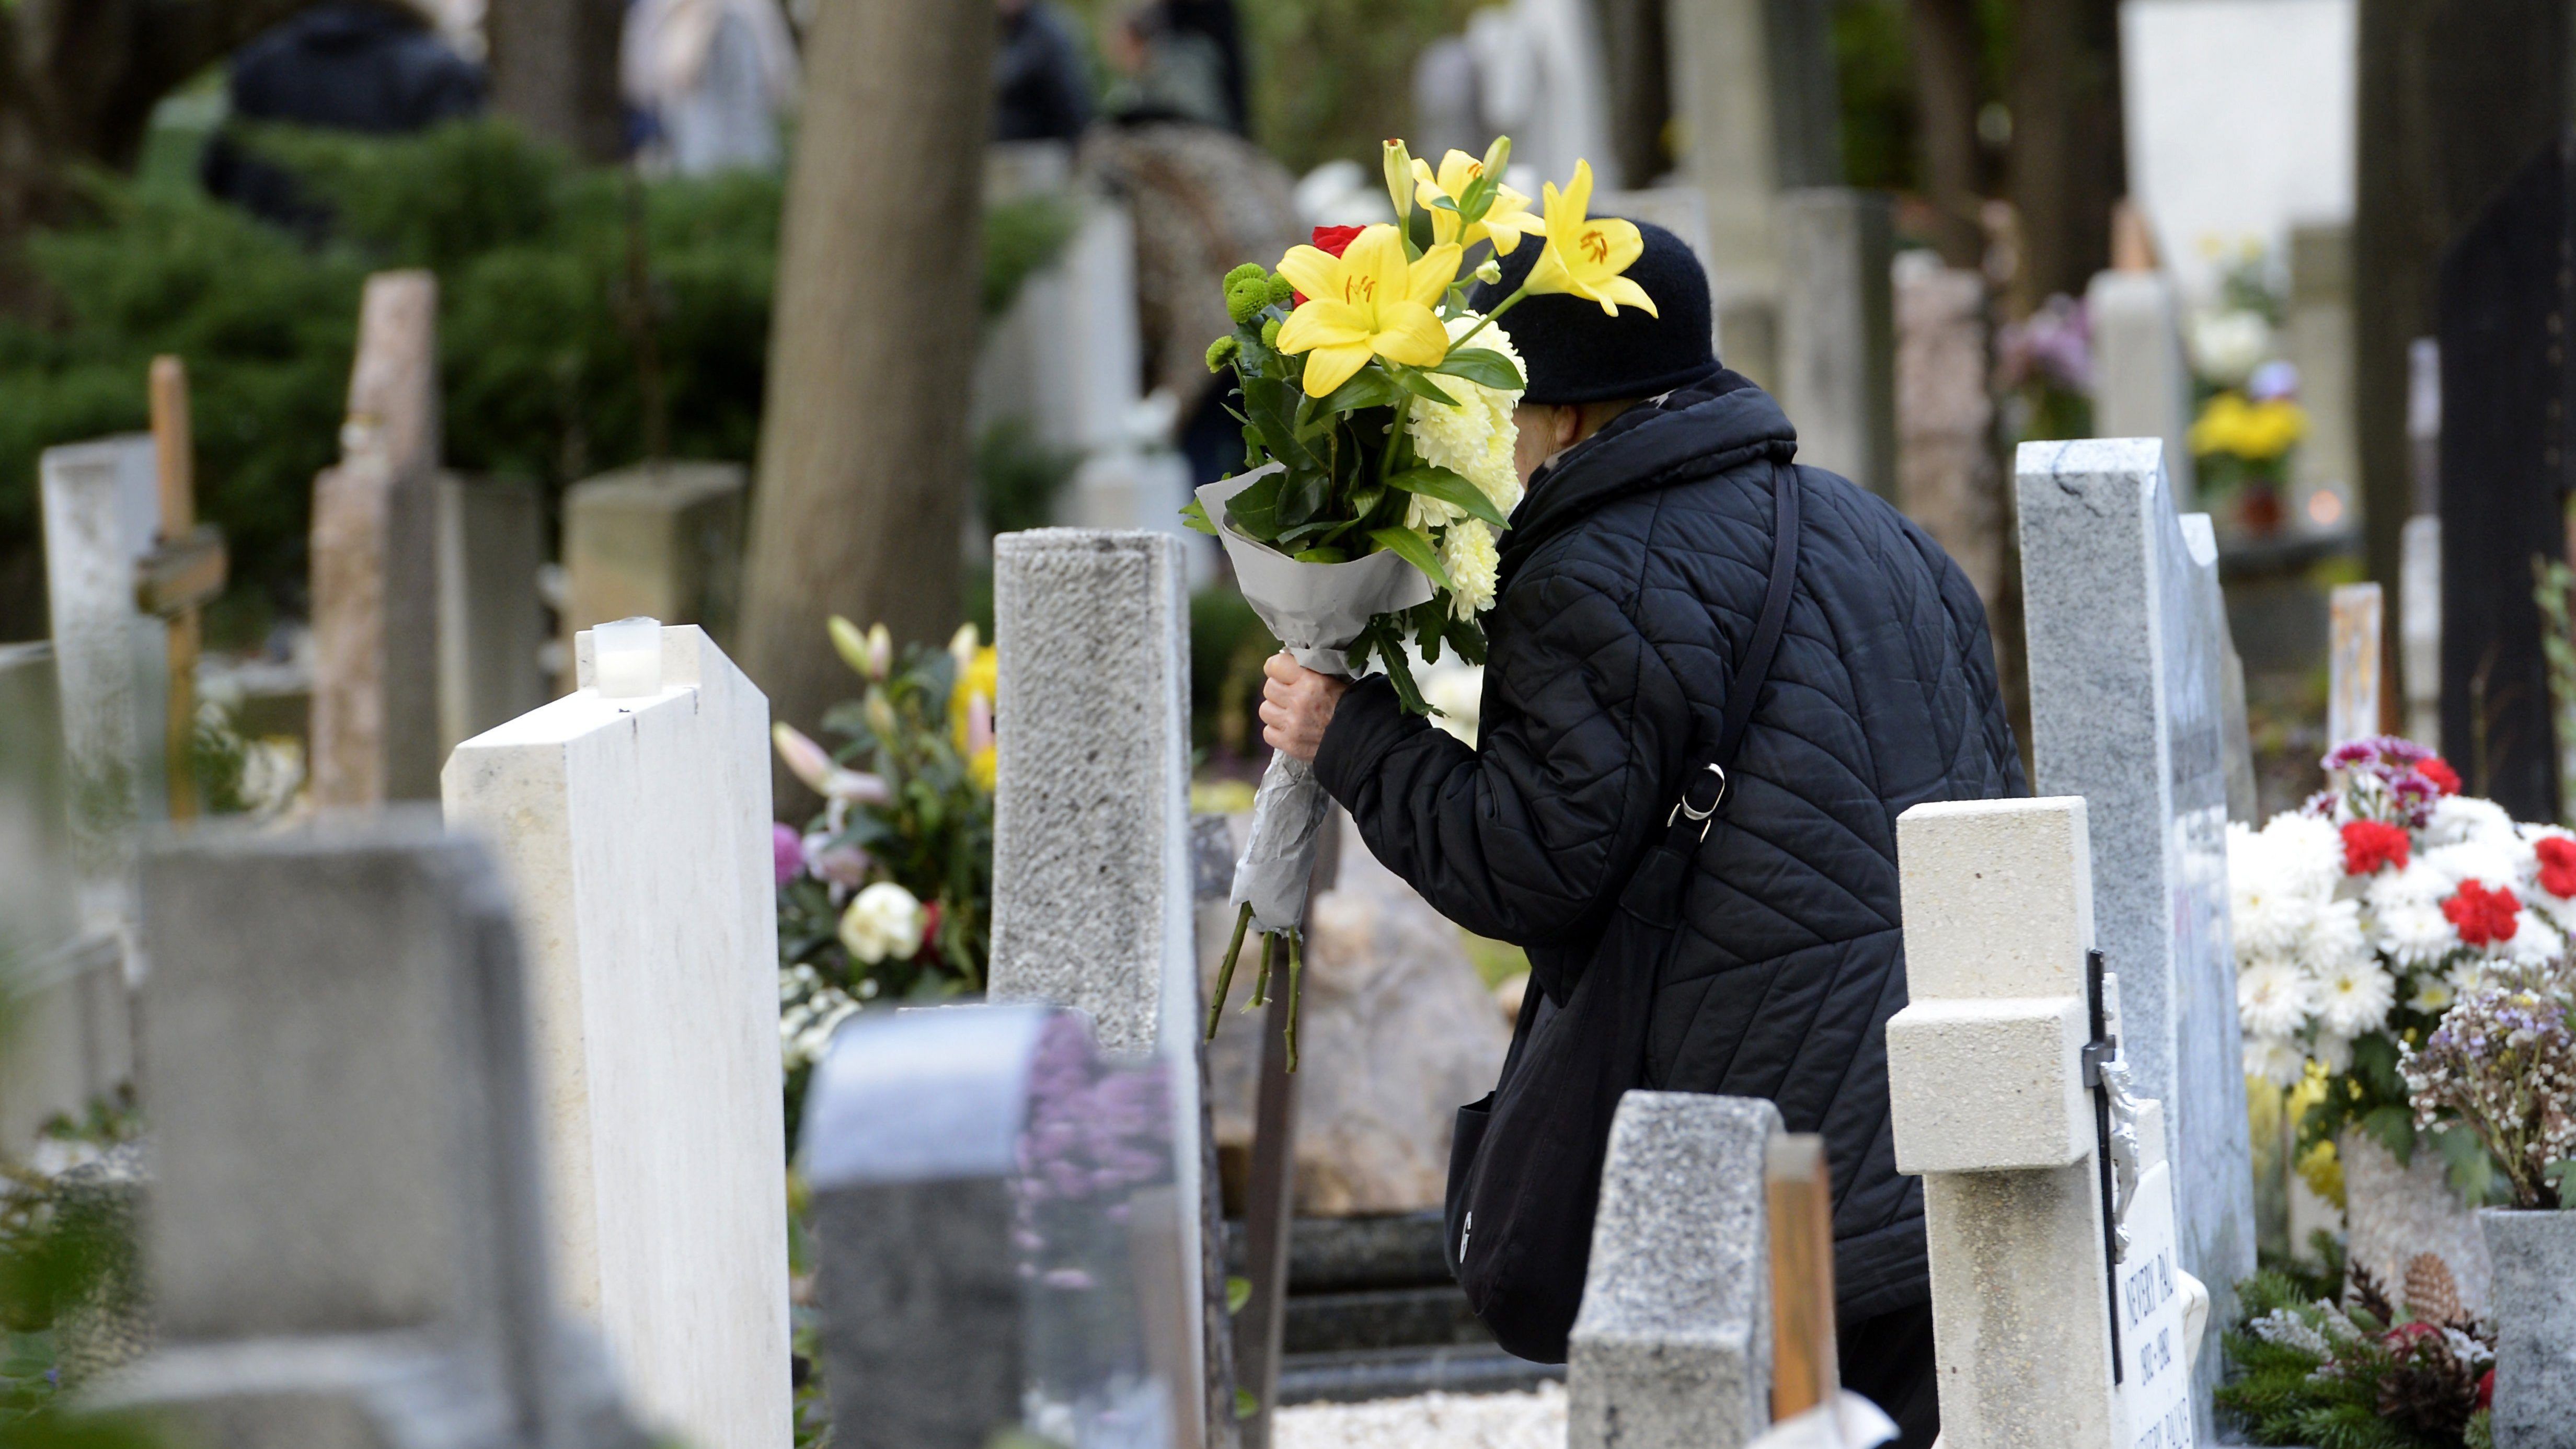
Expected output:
(1672, 1347)
(1092, 861)
(2236, 745)
(2535, 1317)
(491, 542)
(347, 1240)
(983, 1185)
(2127, 710)
(1837, 370)
(102, 510)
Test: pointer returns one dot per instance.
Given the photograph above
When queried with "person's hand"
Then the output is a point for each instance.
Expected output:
(1297, 705)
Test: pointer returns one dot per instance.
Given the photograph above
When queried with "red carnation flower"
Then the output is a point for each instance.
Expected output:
(2557, 865)
(1332, 241)
(2486, 1389)
(2481, 916)
(2444, 778)
(929, 949)
(2370, 844)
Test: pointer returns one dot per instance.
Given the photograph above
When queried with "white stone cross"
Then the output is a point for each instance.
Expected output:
(634, 827)
(2057, 1325)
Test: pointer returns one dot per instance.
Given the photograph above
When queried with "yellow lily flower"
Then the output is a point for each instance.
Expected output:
(1505, 222)
(1367, 301)
(1584, 257)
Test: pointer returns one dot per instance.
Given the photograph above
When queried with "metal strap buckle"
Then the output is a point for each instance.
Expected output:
(1705, 814)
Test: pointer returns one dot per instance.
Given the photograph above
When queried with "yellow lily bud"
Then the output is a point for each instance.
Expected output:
(1399, 178)
(1498, 156)
(962, 646)
(1489, 271)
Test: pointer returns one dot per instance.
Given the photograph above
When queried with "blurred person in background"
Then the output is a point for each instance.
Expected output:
(710, 77)
(1178, 60)
(1041, 85)
(372, 66)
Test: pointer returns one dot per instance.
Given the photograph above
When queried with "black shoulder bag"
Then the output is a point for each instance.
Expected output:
(1525, 1166)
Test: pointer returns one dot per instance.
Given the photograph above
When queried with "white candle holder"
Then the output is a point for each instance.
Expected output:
(626, 658)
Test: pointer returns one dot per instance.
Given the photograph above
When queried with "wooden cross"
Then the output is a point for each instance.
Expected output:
(181, 575)
(1799, 1193)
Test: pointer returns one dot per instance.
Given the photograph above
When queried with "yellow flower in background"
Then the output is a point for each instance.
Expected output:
(979, 676)
(2255, 431)
(1366, 302)
(1585, 255)
(1506, 221)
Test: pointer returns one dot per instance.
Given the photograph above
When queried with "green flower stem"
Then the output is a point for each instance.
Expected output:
(1225, 973)
(1261, 977)
(1394, 436)
(1296, 967)
(1509, 303)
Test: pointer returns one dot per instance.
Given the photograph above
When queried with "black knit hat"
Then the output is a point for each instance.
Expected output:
(1576, 354)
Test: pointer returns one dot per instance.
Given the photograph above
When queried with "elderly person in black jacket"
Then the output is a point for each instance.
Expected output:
(1631, 578)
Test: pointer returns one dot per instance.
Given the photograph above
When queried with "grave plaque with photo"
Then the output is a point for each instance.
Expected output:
(2506, 299)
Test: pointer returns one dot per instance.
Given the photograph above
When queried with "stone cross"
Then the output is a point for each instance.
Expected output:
(1753, 87)
(102, 512)
(184, 573)
(2062, 1315)
(346, 1241)
(1947, 475)
(980, 1267)
(631, 818)
(2127, 700)
(73, 1034)
(663, 541)
(1836, 374)
(2141, 381)
(375, 587)
(2507, 297)
(1091, 840)
(1672, 1348)
(491, 627)
(2352, 689)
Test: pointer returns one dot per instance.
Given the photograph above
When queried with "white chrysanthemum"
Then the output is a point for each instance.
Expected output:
(2269, 915)
(2414, 934)
(2459, 818)
(2332, 1052)
(2277, 1060)
(2355, 998)
(2419, 884)
(2333, 940)
(2486, 859)
(1467, 551)
(2307, 853)
(2535, 941)
(2272, 999)
(2433, 995)
(1475, 438)
(1425, 512)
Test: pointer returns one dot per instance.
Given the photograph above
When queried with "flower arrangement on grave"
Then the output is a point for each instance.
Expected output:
(2310, 1370)
(1377, 425)
(886, 894)
(2360, 919)
(2502, 1064)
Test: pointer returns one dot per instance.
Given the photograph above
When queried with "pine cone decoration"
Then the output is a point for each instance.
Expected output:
(2428, 1388)
(2432, 1294)
(2364, 1292)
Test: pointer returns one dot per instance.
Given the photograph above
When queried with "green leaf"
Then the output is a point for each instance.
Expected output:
(1468, 638)
(1270, 406)
(1428, 616)
(1195, 518)
(1245, 1405)
(1412, 381)
(1399, 670)
(1409, 545)
(1304, 496)
(1254, 512)
(1370, 387)
(1484, 367)
(1452, 489)
(1238, 1292)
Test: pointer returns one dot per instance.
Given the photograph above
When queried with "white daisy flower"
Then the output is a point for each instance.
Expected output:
(2355, 998)
(2273, 999)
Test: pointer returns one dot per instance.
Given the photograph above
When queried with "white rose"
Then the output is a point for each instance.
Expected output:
(883, 920)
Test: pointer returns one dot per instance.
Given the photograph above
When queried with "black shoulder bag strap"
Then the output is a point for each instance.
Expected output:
(1654, 896)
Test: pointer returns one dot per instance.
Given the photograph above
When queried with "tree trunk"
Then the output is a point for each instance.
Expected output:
(1944, 37)
(2455, 95)
(554, 71)
(864, 457)
(1632, 47)
(2067, 163)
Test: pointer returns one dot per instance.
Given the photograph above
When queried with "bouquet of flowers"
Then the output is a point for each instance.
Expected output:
(2361, 917)
(2502, 1064)
(1377, 427)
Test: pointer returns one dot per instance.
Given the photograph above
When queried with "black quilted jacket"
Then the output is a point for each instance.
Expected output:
(1630, 581)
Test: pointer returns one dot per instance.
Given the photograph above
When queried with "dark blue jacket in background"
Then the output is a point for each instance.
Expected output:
(1631, 578)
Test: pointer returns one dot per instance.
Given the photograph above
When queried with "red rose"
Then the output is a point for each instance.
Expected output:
(2370, 844)
(2557, 865)
(2481, 916)
(2444, 778)
(1332, 241)
(929, 949)
(2486, 1389)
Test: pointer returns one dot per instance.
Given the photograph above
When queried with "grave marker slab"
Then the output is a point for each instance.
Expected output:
(2127, 701)
(2325, 471)
(2200, 540)
(634, 830)
(662, 541)
(2062, 1315)
(1681, 210)
(1837, 360)
(2507, 384)
(1948, 478)
(491, 543)
(2141, 381)
(1091, 839)
(2352, 663)
(374, 545)
(102, 511)
(345, 1238)
(2419, 626)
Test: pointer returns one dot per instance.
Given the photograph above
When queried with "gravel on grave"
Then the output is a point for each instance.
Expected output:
(1534, 1420)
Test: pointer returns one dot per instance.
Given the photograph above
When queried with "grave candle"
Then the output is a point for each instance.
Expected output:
(629, 657)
